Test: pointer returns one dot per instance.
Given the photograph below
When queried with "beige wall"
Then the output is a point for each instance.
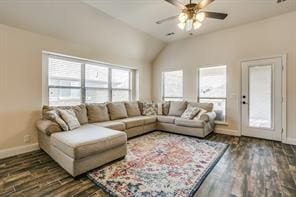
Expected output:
(21, 76)
(273, 36)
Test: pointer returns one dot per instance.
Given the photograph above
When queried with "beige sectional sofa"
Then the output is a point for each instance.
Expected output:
(105, 128)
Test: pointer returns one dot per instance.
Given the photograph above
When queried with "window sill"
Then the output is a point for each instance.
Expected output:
(221, 123)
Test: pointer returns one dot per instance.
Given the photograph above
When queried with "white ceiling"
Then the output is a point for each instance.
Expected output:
(142, 14)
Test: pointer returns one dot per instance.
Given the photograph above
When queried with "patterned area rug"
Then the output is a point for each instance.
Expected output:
(160, 164)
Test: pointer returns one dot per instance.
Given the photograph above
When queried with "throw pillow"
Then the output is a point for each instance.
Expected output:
(80, 111)
(165, 108)
(68, 115)
(53, 116)
(53, 128)
(117, 110)
(97, 113)
(149, 109)
(201, 112)
(159, 109)
(190, 112)
(132, 109)
(141, 106)
(177, 108)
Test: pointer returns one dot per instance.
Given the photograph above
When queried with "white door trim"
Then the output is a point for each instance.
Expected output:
(284, 93)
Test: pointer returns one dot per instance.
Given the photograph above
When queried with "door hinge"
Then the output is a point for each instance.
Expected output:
(282, 130)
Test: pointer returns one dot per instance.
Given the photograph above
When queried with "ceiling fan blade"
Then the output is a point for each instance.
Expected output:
(176, 3)
(203, 4)
(216, 15)
(167, 19)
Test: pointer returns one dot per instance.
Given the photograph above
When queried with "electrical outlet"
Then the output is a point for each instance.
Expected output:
(27, 138)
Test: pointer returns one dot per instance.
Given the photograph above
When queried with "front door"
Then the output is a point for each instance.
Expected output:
(261, 98)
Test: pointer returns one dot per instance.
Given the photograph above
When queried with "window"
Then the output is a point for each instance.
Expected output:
(72, 81)
(172, 85)
(212, 89)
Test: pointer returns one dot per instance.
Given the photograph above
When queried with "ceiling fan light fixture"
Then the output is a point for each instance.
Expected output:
(181, 25)
(196, 25)
(183, 17)
(200, 16)
(189, 25)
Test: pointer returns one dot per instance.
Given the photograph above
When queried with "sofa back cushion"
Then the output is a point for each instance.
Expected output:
(132, 108)
(177, 108)
(117, 110)
(206, 106)
(80, 111)
(97, 112)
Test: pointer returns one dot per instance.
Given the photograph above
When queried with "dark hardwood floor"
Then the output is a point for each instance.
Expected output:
(250, 167)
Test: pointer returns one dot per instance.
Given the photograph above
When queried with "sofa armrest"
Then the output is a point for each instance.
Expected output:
(48, 127)
(209, 116)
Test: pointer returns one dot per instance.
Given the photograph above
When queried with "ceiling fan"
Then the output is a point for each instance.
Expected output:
(192, 14)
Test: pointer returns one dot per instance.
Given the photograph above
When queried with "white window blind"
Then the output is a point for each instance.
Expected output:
(213, 88)
(72, 81)
(172, 85)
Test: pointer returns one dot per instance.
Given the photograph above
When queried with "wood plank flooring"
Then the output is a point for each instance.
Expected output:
(250, 167)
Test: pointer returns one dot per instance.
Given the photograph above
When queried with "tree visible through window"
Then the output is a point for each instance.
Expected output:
(172, 85)
(212, 89)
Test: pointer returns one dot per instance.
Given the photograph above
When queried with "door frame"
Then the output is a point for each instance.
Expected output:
(284, 93)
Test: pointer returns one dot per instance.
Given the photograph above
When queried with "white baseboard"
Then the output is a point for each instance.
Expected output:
(290, 141)
(18, 150)
(227, 132)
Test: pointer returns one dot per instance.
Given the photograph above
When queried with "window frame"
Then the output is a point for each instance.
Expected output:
(45, 77)
(163, 97)
(214, 98)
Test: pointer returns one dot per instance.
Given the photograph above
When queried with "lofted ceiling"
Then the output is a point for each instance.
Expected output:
(142, 14)
(77, 22)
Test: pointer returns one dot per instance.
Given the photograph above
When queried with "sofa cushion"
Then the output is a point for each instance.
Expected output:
(206, 106)
(165, 108)
(149, 109)
(116, 125)
(132, 108)
(117, 110)
(159, 109)
(149, 119)
(133, 122)
(200, 113)
(189, 123)
(166, 119)
(68, 115)
(141, 106)
(190, 112)
(80, 111)
(48, 127)
(55, 117)
(97, 112)
(177, 108)
(87, 140)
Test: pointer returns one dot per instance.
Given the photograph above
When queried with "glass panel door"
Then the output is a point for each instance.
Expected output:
(261, 99)
(260, 96)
